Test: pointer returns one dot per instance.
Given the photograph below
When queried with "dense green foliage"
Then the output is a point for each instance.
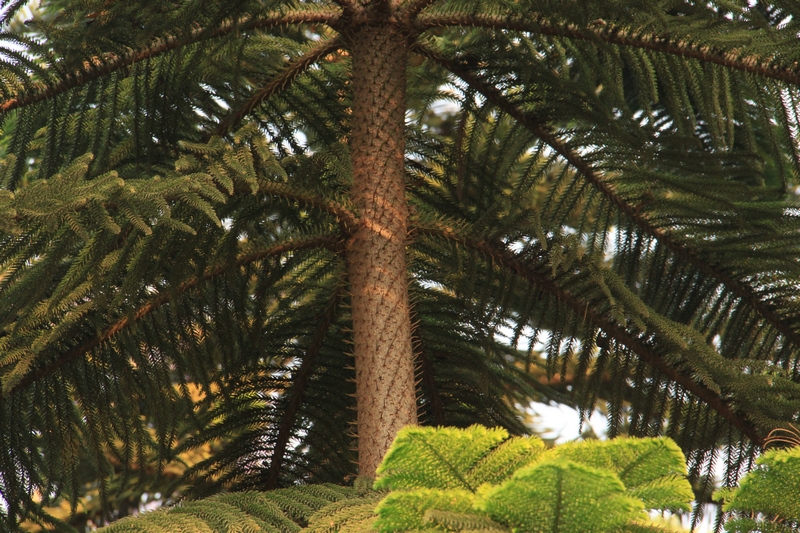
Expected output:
(603, 211)
(479, 479)
(454, 480)
(768, 498)
(307, 509)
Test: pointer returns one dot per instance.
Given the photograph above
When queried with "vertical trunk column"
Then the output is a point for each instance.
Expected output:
(376, 253)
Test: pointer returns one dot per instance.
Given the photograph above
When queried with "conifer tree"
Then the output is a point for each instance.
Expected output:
(236, 196)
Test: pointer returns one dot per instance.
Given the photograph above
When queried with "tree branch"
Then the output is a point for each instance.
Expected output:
(299, 382)
(426, 368)
(329, 242)
(98, 67)
(663, 43)
(513, 263)
(280, 82)
(532, 123)
(346, 219)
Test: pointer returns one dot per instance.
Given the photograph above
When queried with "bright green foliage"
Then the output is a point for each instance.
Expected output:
(353, 515)
(651, 469)
(408, 510)
(768, 498)
(477, 479)
(511, 455)
(450, 458)
(555, 496)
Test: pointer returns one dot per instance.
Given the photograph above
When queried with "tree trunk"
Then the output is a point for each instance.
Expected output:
(376, 253)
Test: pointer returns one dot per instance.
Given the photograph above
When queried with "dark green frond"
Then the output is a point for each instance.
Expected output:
(603, 213)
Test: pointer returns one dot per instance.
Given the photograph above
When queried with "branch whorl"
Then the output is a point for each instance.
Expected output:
(693, 257)
(662, 43)
(329, 242)
(96, 67)
(509, 261)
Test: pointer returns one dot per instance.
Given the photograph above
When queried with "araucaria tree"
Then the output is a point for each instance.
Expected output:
(280, 228)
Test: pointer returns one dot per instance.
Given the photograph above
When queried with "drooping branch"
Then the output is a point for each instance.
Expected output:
(300, 381)
(425, 367)
(280, 82)
(342, 213)
(536, 23)
(595, 177)
(344, 216)
(500, 255)
(330, 242)
(96, 67)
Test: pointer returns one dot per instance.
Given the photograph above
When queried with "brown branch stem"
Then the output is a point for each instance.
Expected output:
(662, 43)
(98, 67)
(510, 261)
(328, 242)
(693, 257)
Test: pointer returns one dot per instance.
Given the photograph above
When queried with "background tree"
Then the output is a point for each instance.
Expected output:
(237, 196)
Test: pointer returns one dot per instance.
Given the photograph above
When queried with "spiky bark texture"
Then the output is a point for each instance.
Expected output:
(376, 253)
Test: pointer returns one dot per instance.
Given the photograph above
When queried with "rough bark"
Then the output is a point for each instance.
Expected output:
(376, 252)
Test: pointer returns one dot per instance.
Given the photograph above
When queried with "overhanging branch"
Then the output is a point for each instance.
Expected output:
(346, 219)
(425, 366)
(662, 43)
(300, 381)
(329, 242)
(280, 82)
(532, 123)
(514, 264)
(98, 67)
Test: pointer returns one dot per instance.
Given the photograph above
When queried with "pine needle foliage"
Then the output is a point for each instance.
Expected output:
(429, 468)
(477, 479)
(767, 498)
(519, 486)
(605, 211)
(288, 510)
